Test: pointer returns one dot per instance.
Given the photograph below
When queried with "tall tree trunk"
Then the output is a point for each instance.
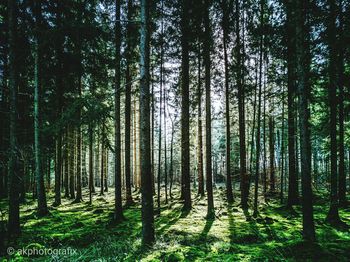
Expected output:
(128, 87)
(91, 163)
(292, 181)
(13, 176)
(333, 215)
(200, 128)
(282, 154)
(118, 207)
(160, 124)
(185, 114)
(145, 132)
(66, 164)
(225, 27)
(71, 163)
(209, 178)
(171, 170)
(78, 196)
(303, 87)
(40, 185)
(257, 158)
(59, 92)
(165, 151)
(102, 167)
(340, 62)
(241, 114)
(272, 152)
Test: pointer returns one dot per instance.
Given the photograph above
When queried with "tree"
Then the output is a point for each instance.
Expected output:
(118, 208)
(128, 87)
(13, 176)
(208, 141)
(340, 67)
(59, 91)
(40, 186)
(241, 113)
(303, 88)
(225, 25)
(333, 215)
(257, 157)
(185, 115)
(146, 181)
(292, 181)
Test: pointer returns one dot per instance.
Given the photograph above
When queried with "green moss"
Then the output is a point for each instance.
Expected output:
(275, 235)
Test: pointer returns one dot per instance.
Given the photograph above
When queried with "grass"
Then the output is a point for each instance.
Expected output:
(233, 235)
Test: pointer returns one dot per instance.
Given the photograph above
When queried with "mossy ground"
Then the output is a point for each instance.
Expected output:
(232, 236)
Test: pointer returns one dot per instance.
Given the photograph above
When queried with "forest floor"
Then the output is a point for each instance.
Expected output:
(232, 236)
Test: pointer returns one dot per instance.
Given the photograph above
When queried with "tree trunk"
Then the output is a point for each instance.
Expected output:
(303, 70)
(225, 27)
(340, 48)
(39, 174)
(209, 178)
(241, 115)
(257, 158)
(200, 128)
(185, 114)
(13, 176)
(91, 164)
(146, 181)
(272, 153)
(71, 163)
(66, 164)
(118, 207)
(292, 181)
(128, 87)
(333, 215)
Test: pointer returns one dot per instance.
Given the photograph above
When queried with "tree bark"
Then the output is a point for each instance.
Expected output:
(333, 215)
(225, 27)
(185, 115)
(292, 181)
(145, 132)
(13, 176)
(118, 208)
(39, 174)
(303, 87)
(241, 115)
(128, 87)
(209, 178)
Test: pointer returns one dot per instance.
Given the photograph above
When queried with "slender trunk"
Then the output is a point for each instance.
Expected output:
(225, 25)
(171, 171)
(292, 181)
(39, 174)
(257, 158)
(160, 124)
(282, 153)
(209, 178)
(102, 166)
(303, 87)
(145, 132)
(128, 87)
(342, 176)
(333, 215)
(241, 114)
(66, 165)
(165, 152)
(91, 164)
(200, 128)
(185, 114)
(13, 176)
(272, 153)
(118, 207)
(71, 163)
